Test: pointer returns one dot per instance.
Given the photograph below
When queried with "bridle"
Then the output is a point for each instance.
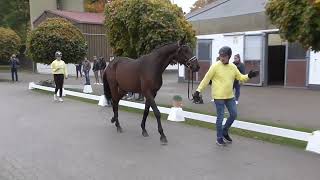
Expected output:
(188, 63)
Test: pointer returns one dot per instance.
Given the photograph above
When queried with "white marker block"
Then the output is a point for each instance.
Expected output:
(102, 101)
(314, 142)
(176, 114)
(31, 85)
(87, 89)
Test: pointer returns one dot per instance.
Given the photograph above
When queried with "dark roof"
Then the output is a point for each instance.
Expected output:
(79, 17)
(227, 8)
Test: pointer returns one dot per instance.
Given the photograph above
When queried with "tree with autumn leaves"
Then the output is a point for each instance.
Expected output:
(136, 27)
(297, 20)
(56, 34)
(96, 6)
(200, 4)
(9, 43)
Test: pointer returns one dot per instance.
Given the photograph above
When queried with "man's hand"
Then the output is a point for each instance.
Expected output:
(197, 99)
(253, 74)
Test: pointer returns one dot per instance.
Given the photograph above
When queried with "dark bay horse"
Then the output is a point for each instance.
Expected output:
(144, 75)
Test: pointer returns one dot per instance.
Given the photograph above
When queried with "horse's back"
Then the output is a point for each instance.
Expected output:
(118, 60)
(126, 72)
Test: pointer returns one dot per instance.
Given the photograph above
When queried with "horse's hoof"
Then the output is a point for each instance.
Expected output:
(113, 120)
(119, 130)
(163, 140)
(145, 133)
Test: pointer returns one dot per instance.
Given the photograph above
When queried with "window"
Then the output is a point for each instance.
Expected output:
(296, 51)
(253, 48)
(205, 50)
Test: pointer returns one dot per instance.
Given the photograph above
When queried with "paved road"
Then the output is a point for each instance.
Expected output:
(293, 107)
(43, 140)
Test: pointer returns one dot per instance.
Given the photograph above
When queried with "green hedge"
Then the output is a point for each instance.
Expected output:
(56, 34)
(9, 44)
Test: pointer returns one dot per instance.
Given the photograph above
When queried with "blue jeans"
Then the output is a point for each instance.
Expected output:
(86, 75)
(232, 108)
(236, 87)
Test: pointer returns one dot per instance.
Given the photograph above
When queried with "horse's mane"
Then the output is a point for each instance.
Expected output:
(173, 61)
(156, 48)
(162, 45)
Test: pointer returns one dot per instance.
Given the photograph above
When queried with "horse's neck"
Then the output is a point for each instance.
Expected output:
(166, 54)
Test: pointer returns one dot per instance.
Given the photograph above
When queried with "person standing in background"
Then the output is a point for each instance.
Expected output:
(103, 65)
(236, 84)
(96, 69)
(78, 69)
(14, 63)
(59, 71)
(86, 69)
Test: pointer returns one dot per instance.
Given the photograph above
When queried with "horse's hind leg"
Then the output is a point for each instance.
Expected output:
(115, 119)
(143, 122)
(145, 115)
(115, 104)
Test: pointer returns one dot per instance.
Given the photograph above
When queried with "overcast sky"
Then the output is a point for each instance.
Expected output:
(184, 4)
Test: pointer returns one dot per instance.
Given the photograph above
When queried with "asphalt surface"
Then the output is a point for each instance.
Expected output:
(41, 139)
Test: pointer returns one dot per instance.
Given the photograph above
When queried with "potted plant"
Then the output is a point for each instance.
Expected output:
(176, 112)
(177, 101)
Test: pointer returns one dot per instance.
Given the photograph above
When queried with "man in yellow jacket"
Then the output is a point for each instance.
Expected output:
(222, 74)
(59, 71)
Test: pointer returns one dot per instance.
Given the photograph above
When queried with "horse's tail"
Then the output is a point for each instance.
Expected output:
(106, 87)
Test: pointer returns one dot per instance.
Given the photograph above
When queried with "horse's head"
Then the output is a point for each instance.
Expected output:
(185, 56)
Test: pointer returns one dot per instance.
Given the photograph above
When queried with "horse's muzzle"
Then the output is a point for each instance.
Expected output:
(195, 68)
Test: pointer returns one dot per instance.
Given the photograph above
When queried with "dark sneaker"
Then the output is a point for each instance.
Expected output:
(227, 138)
(220, 142)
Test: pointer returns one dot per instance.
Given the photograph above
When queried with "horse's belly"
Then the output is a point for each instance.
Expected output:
(128, 79)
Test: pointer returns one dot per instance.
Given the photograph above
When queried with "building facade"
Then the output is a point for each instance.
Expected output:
(244, 26)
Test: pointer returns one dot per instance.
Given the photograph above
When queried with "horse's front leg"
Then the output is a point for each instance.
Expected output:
(163, 138)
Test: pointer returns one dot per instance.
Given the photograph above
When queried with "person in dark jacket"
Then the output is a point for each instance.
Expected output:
(86, 69)
(78, 69)
(102, 65)
(14, 63)
(96, 69)
(236, 84)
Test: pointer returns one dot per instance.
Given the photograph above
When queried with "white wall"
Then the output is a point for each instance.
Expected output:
(237, 45)
(314, 68)
(181, 71)
(73, 5)
(37, 7)
(172, 67)
(235, 42)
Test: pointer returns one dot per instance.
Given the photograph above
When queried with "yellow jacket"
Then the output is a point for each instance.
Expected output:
(222, 77)
(59, 67)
